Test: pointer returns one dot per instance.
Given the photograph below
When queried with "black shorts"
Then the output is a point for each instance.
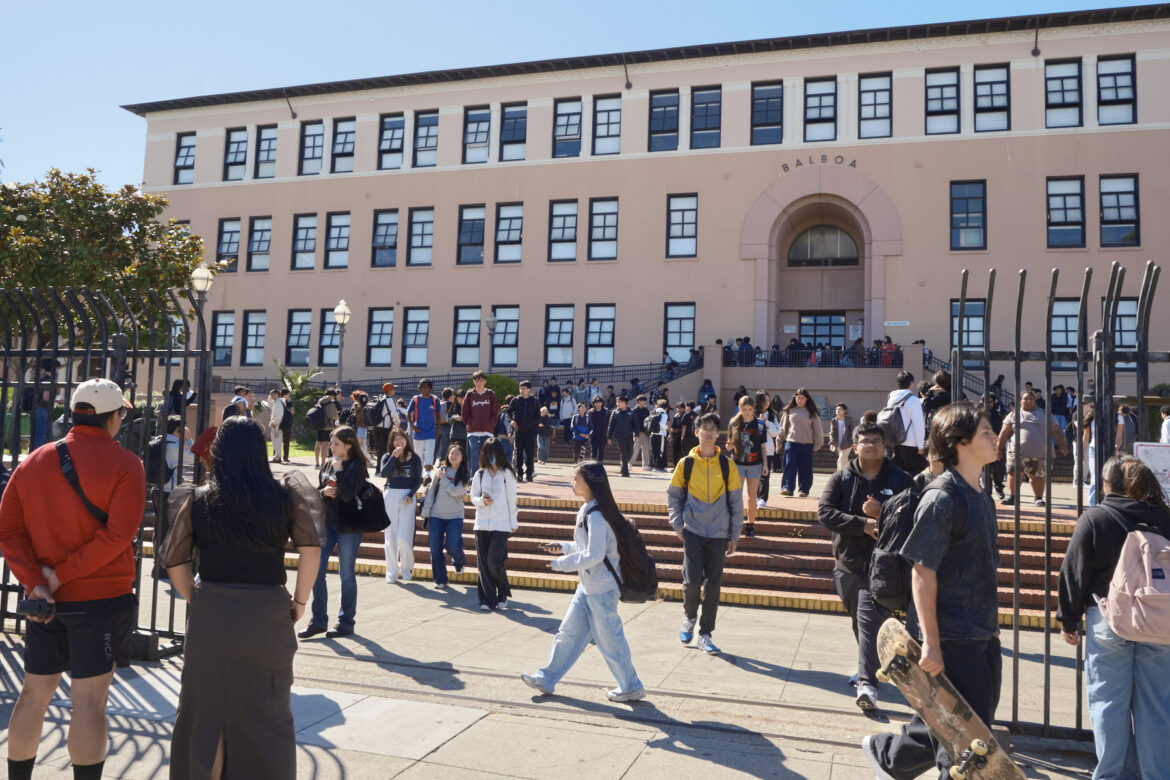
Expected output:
(323, 434)
(86, 644)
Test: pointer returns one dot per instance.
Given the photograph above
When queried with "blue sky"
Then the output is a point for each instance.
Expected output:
(67, 67)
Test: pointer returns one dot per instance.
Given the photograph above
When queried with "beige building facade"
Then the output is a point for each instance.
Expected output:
(607, 209)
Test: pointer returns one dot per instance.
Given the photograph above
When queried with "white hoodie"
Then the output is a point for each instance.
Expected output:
(911, 417)
(501, 515)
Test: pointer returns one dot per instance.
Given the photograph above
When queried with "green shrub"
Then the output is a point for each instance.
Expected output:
(502, 386)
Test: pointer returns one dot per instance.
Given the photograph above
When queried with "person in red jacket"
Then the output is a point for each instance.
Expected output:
(481, 412)
(64, 553)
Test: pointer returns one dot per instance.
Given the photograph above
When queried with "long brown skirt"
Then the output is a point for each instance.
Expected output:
(237, 678)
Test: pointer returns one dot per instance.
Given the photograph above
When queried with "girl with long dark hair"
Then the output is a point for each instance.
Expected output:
(800, 428)
(442, 513)
(493, 491)
(768, 415)
(403, 470)
(234, 714)
(746, 442)
(593, 612)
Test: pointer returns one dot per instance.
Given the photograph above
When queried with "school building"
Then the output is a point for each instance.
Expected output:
(600, 210)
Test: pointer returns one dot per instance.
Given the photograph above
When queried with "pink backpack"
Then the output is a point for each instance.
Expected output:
(1137, 606)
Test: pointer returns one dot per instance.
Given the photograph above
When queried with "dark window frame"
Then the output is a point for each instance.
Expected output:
(982, 214)
(661, 114)
(1007, 96)
(552, 217)
(252, 230)
(1132, 102)
(670, 223)
(597, 125)
(461, 243)
(821, 120)
(261, 147)
(347, 147)
(667, 319)
(232, 265)
(181, 163)
(305, 125)
(288, 338)
(616, 226)
(510, 127)
(329, 250)
(766, 126)
(560, 332)
(1137, 209)
(1048, 209)
(231, 152)
(375, 247)
(455, 334)
(410, 247)
(833, 318)
(296, 241)
(419, 116)
(1078, 332)
(717, 89)
(383, 138)
(981, 305)
(957, 113)
(889, 102)
(612, 346)
(370, 345)
(216, 344)
(406, 335)
(496, 233)
(565, 147)
(1119, 337)
(486, 144)
(515, 336)
(247, 337)
(1048, 92)
(323, 334)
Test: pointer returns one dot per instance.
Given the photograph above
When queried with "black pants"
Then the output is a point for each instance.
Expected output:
(162, 525)
(975, 668)
(491, 558)
(525, 450)
(702, 568)
(998, 470)
(626, 451)
(909, 459)
(378, 439)
(597, 448)
(658, 452)
(867, 616)
(675, 448)
(762, 490)
(286, 433)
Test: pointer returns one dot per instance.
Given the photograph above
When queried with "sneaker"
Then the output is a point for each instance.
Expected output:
(1039, 502)
(761, 503)
(391, 580)
(533, 683)
(802, 495)
(338, 630)
(749, 530)
(635, 695)
(440, 586)
(286, 460)
(871, 758)
(458, 569)
(275, 460)
(787, 493)
(530, 479)
(484, 608)
(311, 630)
(706, 645)
(502, 604)
(853, 680)
(1009, 501)
(999, 493)
(687, 633)
(866, 697)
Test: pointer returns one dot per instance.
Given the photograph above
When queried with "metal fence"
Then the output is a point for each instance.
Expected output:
(829, 357)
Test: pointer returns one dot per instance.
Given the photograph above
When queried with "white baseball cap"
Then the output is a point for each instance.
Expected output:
(102, 394)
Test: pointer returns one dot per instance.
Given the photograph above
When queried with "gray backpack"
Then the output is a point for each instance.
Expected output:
(892, 423)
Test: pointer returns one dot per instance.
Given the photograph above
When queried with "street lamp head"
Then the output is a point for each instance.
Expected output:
(491, 322)
(201, 279)
(341, 313)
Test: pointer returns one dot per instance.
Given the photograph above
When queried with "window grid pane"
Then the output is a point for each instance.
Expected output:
(558, 337)
(1119, 211)
(820, 110)
(664, 121)
(706, 108)
(337, 241)
(379, 340)
(968, 215)
(422, 236)
(222, 338)
(603, 230)
(1066, 213)
(305, 241)
(767, 113)
(471, 227)
(255, 324)
(826, 328)
(259, 243)
(415, 336)
(1116, 92)
(476, 130)
(607, 125)
(679, 331)
(567, 128)
(300, 325)
(312, 147)
(426, 139)
(513, 132)
(599, 330)
(385, 239)
(682, 225)
(873, 100)
(390, 142)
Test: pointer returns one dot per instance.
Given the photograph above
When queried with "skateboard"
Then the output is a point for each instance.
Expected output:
(965, 737)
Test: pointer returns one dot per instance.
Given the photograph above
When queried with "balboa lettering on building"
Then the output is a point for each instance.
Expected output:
(837, 159)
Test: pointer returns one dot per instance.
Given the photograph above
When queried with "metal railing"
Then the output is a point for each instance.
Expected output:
(813, 358)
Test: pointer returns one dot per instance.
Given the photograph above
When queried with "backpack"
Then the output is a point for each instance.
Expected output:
(154, 462)
(372, 412)
(892, 423)
(414, 409)
(638, 582)
(653, 423)
(1137, 606)
(315, 418)
(724, 466)
(28, 399)
(889, 572)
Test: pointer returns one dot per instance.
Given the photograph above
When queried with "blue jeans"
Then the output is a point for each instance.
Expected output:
(542, 446)
(449, 532)
(591, 617)
(474, 443)
(798, 458)
(40, 433)
(347, 549)
(1124, 678)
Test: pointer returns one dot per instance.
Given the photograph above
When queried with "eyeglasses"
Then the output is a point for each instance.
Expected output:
(871, 442)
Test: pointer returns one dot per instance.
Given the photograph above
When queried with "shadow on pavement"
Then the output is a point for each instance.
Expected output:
(440, 675)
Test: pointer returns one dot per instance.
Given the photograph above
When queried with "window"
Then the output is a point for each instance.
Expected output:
(973, 311)
(223, 332)
(514, 132)
(312, 147)
(344, 131)
(820, 109)
(300, 329)
(599, 334)
(873, 100)
(259, 242)
(255, 323)
(567, 127)
(426, 139)
(607, 124)
(414, 343)
(265, 152)
(682, 216)
(235, 154)
(509, 230)
(327, 348)
(562, 230)
(337, 243)
(390, 142)
(1065, 331)
(465, 348)
(767, 113)
(227, 249)
(1066, 212)
(477, 124)
(304, 241)
(558, 335)
(603, 232)
(1062, 90)
(992, 98)
(176, 342)
(678, 331)
(1125, 329)
(471, 222)
(942, 101)
(185, 158)
(385, 239)
(1119, 211)
(823, 245)
(506, 337)
(422, 236)
(706, 115)
(1116, 91)
(380, 338)
(968, 215)
(823, 327)
(664, 121)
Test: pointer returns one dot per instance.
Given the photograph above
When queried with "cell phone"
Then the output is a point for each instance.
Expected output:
(34, 608)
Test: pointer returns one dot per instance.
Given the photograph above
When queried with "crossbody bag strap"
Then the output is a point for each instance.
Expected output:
(70, 474)
(605, 556)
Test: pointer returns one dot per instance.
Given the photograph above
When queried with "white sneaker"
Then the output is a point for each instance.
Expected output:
(866, 697)
(761, 503)
(871, 758)
(503, 604)
(535, 684)
(391, 580)
(635, 695)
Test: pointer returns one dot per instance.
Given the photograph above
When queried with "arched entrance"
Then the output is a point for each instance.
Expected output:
(788, 283)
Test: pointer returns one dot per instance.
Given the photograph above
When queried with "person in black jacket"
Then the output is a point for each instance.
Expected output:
(850, 507)
(1128, 682)
(598, 426)
(620, 431)
(641, 438)
(524, 413)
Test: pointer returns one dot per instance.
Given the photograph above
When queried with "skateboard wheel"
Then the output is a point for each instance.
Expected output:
(978, 747)
(901, 649)
(883, 675)
(957, 774)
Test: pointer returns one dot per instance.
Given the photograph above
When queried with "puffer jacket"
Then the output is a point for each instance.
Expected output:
(701, 507)
(501, 515)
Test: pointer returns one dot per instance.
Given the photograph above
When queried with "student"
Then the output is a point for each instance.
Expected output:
(455, 419)
(332, 409)
(689, 439)
(955, 597)
(425, 413)
(1035, 426)
(493, 492)
(275, 418)
(850, 507)
(676, 427)
(768, 415)
(610, 398)
(382, 421)
(658, 437)
(641, 438)
(910, 454)
(480, 411)
(598, 427)
(551, 399)
(568, 407)
(592, 615)
(357, 419)
(442, 514)
(620, 431)
(544, 431)
(841, 436)
(581, 433)
(800, 427)
(707, 515)
(286, 425)
(445, 411)
(403, 470)
(745, 443)
(505, 429)
(524, 415)
(1165, 412)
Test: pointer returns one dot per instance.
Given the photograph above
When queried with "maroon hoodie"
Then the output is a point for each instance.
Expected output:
(480, 411)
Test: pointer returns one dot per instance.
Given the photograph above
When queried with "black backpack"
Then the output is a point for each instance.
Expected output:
(639, 578)
(373, 412)
(889, 572)
(653, 422)
(154, 462)
(315, 418)
(892, 423)
(286, 419)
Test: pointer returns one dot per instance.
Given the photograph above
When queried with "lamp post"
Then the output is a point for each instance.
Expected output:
(491, 322)
(201, 279)
(341, 315)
